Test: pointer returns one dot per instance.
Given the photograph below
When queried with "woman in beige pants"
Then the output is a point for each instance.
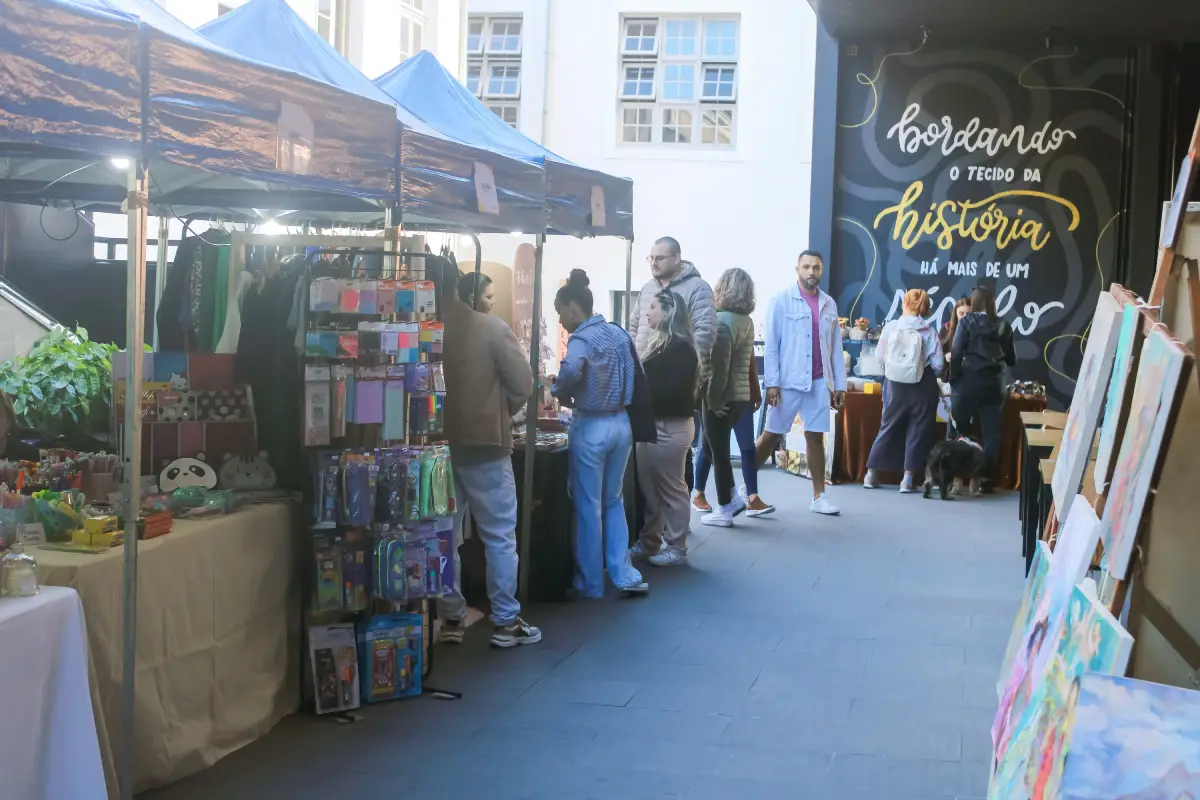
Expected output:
(672, 368)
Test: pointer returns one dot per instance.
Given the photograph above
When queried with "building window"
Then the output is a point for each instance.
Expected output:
(333, 18)
(415, 5)
(494, 64)
(677, 125)
(716, 126)
(505, 37)
(509, 112)
(412, 33)
(637, 124)
(638, 84)
(678, 80)
(641, 37)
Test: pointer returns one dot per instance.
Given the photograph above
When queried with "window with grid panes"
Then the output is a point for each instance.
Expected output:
(412, 28)
(493, 47)
(678, 80)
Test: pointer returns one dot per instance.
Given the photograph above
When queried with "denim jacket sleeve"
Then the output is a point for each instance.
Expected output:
(838, 364)
(773, 334)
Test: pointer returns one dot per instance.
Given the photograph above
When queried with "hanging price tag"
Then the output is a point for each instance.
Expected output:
(598, 219)
(485, 189)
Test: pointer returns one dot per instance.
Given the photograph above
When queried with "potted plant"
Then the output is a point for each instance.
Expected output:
(62, 385)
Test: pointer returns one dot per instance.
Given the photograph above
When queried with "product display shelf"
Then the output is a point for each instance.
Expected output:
(397, 353)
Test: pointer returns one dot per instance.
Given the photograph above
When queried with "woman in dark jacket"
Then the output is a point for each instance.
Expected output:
(672, 368)
(982, 348)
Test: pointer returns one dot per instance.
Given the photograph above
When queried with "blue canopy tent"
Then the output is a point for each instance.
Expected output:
(425, 87)
(437, 173)
(115, 104)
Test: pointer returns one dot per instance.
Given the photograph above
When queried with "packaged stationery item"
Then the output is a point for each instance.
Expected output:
(359, 476)
(426, 413)
(442, 483)
(412, 486)
(385, 299)
(406, 299)
(347, 297)
(368, 302)
(327, 554)
(318, 402)
(326, 490)
(321, 344)
(393, 471)
(354, 570)
(437, 376)
(395, 407)
(389, 580)
(416, 377)
(323, 295)
(370, 338)
(390, 650)
(432, 337)
(426, 299)
(334, 658)
(408, 342)
(347, 346)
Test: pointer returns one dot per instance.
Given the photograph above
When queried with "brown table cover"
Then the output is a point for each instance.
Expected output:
(858, 425)
(217, 638)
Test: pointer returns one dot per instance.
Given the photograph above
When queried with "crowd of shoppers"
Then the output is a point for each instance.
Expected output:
(684, 379)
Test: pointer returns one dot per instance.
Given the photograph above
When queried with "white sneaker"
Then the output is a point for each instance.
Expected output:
(738, 506)
(821, 505)
(906, 485)
(871, 481)
(719, 518)
(668, 558)
(638, 551)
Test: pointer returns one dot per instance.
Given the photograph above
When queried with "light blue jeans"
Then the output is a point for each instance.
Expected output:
(600, 447)
(489, 492)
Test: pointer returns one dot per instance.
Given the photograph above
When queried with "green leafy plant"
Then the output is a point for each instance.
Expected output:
(63, 384)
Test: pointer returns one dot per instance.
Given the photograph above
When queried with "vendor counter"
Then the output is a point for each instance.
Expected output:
(217, 638)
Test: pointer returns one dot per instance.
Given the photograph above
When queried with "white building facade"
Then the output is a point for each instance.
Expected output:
(706, 105)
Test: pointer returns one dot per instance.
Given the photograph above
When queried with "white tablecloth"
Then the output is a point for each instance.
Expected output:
(48, 744)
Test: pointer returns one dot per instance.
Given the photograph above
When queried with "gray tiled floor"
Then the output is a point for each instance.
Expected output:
(796, 657)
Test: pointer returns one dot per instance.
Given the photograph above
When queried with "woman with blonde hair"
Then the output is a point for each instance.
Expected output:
(911, 355)
(730, 400)
(672, 367)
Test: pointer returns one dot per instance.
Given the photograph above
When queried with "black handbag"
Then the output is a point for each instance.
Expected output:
(641, 410)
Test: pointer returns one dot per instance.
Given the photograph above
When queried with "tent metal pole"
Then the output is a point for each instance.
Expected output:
(628, 304)
(160, 269)
(531, 419)
(136, 203)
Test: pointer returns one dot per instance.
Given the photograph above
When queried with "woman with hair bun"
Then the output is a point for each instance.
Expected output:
(911, 355)
(596, 379)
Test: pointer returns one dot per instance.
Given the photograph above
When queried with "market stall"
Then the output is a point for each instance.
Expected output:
(47, 701)
(143, 112)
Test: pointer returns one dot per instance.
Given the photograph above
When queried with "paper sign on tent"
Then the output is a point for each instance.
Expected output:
(485, 189)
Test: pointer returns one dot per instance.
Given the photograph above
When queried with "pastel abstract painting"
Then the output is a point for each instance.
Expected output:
(1086, 403)
(1031, 753)
(1160, 368)
(1128, 343)
(1035, 583)
(1132, 740)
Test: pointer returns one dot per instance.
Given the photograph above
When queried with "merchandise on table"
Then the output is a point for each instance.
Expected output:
(18, 573)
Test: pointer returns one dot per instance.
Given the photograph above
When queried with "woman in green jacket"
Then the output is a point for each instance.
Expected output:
(729, 394)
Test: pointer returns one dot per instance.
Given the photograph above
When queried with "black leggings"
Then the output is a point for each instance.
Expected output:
(717, 431)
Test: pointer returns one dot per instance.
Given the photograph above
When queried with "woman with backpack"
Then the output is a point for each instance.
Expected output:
(911, 355)
(982, 348)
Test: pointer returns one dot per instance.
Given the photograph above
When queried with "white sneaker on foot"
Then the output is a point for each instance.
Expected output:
(871, 481)
(906, 485)
(668, 558)
(719, 518)
(638, 551)
(738, 506)
(821, 505)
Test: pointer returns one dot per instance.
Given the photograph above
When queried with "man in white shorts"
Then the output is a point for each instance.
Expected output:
(802, 379)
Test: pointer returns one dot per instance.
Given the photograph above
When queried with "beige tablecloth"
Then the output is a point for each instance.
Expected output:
(217, 638)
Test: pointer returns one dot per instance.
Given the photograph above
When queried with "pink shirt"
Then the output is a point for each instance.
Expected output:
(814, 305)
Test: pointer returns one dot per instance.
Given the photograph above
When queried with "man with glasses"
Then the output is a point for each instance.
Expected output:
(670, 271)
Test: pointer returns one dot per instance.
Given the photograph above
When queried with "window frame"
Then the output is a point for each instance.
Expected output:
(483, 24)
(490, 26)
(637, 124)
(662, 125)
(678, 65)
(718, 108)
(488, 94)
(703, 53)
(656, 37)
(641, 67)
(697, 45)
(416, 34)
(733, 85)
(507, 105)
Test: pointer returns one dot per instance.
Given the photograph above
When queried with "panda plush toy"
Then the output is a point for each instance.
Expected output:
(183, 473)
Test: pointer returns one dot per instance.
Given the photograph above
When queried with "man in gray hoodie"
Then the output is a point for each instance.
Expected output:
(670, 271)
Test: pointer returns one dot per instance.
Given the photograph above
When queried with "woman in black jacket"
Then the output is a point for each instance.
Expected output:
(672, 368)
(982, 348)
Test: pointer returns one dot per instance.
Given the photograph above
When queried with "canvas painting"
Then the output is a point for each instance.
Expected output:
(1067, 566)
(1035, 583)
(1127, 341)
(1030, 754)
(1084, 413)
(1132, 740)
(1160, 370)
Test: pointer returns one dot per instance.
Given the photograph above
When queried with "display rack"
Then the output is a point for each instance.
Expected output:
(354, 347)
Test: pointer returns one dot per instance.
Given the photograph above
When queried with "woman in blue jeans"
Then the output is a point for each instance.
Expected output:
(596, 380)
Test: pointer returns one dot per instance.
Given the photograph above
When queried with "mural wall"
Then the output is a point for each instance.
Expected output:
(961, 166)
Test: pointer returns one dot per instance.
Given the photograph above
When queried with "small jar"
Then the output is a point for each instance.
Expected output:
(18, 571)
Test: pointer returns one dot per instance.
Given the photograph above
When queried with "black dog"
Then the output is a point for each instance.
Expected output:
(960, 459)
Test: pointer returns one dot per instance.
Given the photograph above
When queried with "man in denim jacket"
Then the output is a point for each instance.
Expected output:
(803, 379)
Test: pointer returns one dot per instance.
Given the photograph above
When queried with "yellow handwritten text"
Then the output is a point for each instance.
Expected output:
(979, 220)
